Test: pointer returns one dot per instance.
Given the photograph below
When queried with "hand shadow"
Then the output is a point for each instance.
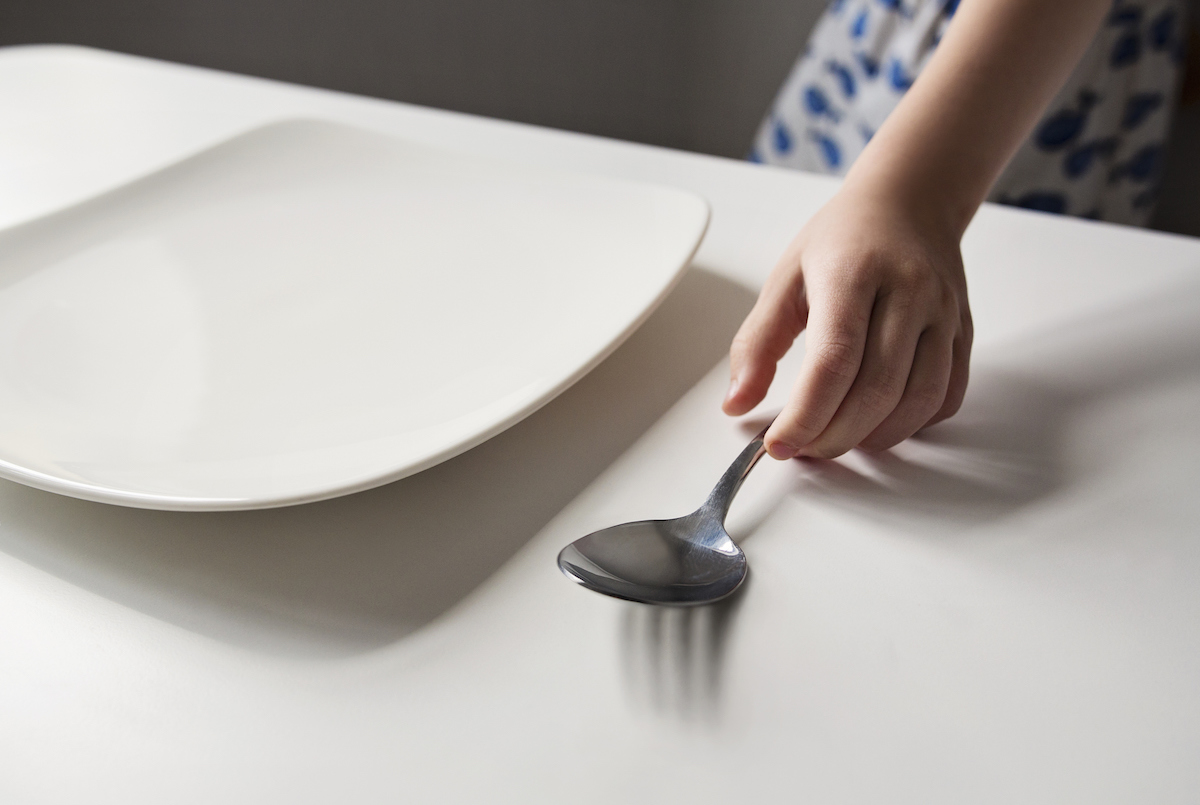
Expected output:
(352, 574)
(1005, 449)
(1001, 453)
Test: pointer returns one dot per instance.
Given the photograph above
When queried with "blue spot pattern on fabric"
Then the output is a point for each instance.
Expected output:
(754, 156)
(869, 66)
(1162, 30)
(1126, 51)
(1042, 201)
(781, 138)
(900, 80)
(830, 151)
(845, 78)
(817, 104)
(897, 7)
(1139, 107)
(1124, 15)
(1061, 128)
(1145, 164)
(1076, 146)
(1078, 161)
(859, 26)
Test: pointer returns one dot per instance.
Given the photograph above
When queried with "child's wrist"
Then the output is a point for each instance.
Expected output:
(929, 204)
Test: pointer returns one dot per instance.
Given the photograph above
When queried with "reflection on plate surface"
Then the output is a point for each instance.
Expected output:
(310, 309)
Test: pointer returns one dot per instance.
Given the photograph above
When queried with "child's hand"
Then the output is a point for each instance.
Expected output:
(876, 275)
(884, 300)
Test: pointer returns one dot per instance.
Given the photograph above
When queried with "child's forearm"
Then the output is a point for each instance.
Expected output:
(998, 65)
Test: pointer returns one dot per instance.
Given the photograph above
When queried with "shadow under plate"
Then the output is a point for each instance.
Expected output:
(353, 574)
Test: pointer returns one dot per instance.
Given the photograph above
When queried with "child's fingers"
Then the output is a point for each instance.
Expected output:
(959, 370)
(924, 393)
(764, 338)
(837, 334)
(892, 339)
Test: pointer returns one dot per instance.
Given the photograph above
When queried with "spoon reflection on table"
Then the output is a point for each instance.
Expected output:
(687, 561)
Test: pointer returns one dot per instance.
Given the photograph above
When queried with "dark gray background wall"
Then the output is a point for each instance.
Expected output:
(692, 74)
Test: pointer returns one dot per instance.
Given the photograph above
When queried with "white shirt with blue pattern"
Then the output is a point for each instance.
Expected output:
(1097, 152)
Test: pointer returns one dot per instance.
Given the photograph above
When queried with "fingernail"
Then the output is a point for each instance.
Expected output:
(782, 450)
(733, 387)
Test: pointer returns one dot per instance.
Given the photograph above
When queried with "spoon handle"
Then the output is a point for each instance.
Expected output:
(723, 493)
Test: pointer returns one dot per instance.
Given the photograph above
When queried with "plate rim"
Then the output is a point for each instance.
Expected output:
(99, 493)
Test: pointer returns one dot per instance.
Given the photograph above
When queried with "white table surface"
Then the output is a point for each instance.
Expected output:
(1007, 610)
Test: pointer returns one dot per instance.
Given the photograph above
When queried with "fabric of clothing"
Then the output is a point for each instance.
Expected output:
(1097, 152)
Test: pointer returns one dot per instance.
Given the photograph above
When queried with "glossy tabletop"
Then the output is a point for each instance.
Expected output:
(1005, 609)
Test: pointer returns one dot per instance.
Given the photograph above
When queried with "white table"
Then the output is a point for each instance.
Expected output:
(1005, 611)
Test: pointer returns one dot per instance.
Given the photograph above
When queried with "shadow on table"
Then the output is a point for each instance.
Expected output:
(1004, 451)
(356, 573)
(1005, 448)
(674, 657)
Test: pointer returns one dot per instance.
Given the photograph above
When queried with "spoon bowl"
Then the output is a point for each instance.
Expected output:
(686, 561)
(658, 561)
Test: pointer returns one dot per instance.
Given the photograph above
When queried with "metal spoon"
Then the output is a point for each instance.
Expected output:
(682, 562)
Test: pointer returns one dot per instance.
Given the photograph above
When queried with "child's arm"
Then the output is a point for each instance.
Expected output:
(876, 275)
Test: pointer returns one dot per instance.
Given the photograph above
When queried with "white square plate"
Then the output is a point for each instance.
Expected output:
(309, 310)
